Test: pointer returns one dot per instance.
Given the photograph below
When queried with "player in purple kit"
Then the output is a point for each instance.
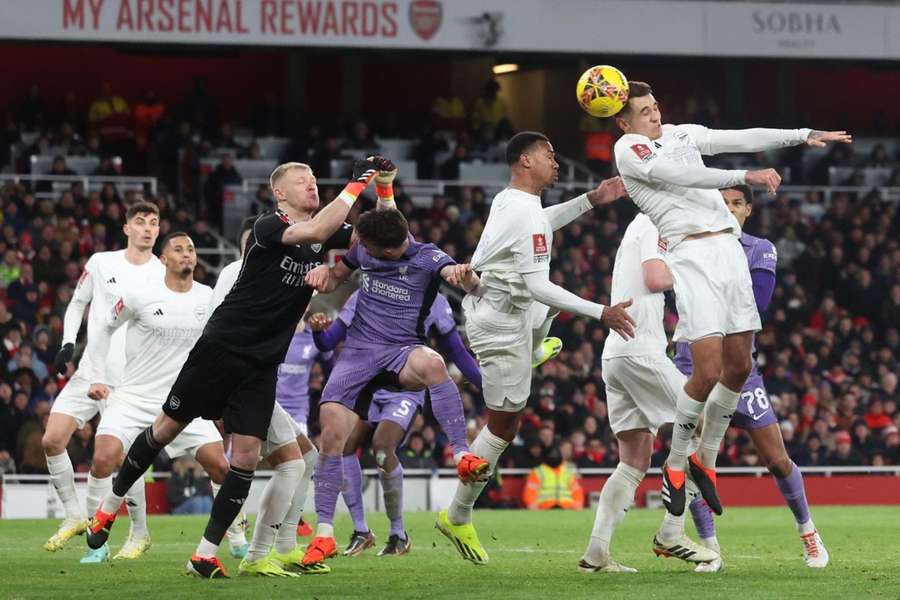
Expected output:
(391, 413)
(754, 412)
(385, 346)
(292, 391)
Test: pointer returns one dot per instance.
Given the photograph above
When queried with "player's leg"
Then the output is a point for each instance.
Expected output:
(287, 464)
(60, 427)
(362, 537)
(286, 540)
(720, 408)
(770, 445)
(707, 356)
(108, 451)
(337, 422)
(388, 436)
(140, 456)
(425, 368)
(617, 495)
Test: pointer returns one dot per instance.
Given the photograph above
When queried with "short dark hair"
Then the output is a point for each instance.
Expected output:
(246, 226)
(141, 208)
(383, 228)
(521, 143)
(744, 189)
(172, 236)
(636, 89)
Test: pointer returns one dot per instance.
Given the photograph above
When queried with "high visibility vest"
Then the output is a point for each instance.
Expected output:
(555, 486)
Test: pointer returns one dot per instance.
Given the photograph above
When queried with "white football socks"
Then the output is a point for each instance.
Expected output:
(274, 505)
(286, 538)
(489, 447)
(616, 497)
(62, 476)
(687, 415)
(720, 407)
(136, 501)
(98, 490)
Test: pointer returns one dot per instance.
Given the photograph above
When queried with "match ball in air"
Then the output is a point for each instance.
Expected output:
(602, 91)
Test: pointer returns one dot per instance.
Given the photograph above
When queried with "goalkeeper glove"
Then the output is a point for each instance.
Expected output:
(384, 187)
(64, 356)
(364, 171)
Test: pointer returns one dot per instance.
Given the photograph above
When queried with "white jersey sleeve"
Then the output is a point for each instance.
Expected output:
(649, 245)
(564, 213)
(81, 298)
(121, 312)
(718, 141)
(637, 159)
(227, 276)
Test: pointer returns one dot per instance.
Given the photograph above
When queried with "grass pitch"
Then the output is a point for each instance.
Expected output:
(533, 555)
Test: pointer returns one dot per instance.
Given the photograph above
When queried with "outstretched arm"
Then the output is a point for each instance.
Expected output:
(327, 337)
(717, 141)
(562, 214)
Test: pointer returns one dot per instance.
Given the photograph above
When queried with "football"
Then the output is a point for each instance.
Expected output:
(602, 91)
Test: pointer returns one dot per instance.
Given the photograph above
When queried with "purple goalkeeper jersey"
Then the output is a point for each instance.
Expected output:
(761, 255)
(292, 389)
(440, 317)
(395, 297)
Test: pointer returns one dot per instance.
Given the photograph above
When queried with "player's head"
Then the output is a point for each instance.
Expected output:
(294, 184)
(178, 255)
(383, 233)
(640, 114)
(244, 233)
(142, 225)
(530, 154)
(739, 200)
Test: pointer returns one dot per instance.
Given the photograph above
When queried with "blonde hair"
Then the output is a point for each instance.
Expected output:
(281, 170)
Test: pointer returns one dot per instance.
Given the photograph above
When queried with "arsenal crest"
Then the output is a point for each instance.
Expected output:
(425, 17)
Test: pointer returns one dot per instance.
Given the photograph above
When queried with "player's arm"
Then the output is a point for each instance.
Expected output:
(327, 334)
(318, 229)
(461, 276)
(325, 279)
(762, 273)
(120, 314)
(718, 141)
(564, 213)
(636, 158)
(657, 276)
(452, 346)
(384, 185)
(81, 298)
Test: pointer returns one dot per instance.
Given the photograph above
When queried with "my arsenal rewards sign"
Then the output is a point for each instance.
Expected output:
(425, 17)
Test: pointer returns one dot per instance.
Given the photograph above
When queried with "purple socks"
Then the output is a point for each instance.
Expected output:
(352, 492)
(392, 483)
(448, 410)
(703, 518)
(791, 487)
(329, 475)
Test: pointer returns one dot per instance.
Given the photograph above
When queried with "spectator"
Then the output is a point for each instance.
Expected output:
(414, 455)
(553, 484)
(490, 108)
(188, 490)
(81, 448)
(224, 174)
(843, 454)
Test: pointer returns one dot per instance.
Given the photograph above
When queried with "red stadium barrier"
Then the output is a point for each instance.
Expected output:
(761, 491)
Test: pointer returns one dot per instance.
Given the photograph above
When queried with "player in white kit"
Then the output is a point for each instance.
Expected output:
(165, 317)
(507, 317)
(642, 385)
(664, 174)
(105, 276)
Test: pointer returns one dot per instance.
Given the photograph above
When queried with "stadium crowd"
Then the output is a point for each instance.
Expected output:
(829, 350)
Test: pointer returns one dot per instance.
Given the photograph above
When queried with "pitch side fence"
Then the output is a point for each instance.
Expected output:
(33, 496)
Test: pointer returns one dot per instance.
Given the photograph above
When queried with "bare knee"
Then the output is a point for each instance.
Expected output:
(217, 469)
(104, 463)
(736, 370)
(53, 444)
(702, 381)
(781, 467)
(429, 367)
(59, 432)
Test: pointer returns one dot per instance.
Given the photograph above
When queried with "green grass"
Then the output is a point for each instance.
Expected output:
(533, 555)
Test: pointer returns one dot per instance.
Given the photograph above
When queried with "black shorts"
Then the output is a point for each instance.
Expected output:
(215, 383)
